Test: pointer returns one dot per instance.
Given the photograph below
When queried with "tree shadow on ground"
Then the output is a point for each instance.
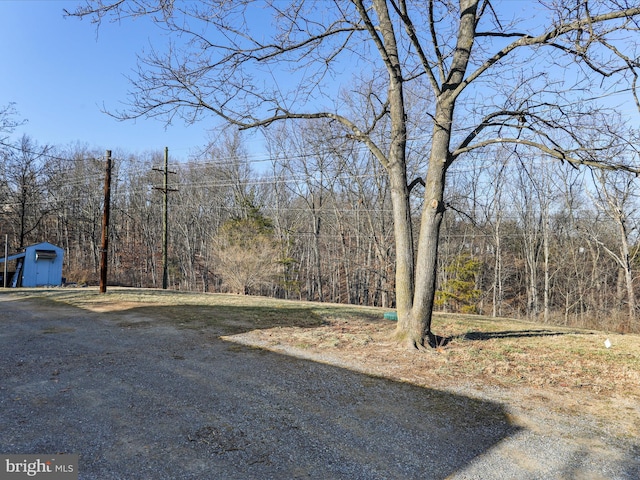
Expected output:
(224, 319)
(474, 335)
(436, 341)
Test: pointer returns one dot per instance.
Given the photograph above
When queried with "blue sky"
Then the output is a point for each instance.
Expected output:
(61, 74)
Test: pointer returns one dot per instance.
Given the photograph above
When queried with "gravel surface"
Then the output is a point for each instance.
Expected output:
(156, 402)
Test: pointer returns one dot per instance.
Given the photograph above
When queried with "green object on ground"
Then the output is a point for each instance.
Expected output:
(391, 316)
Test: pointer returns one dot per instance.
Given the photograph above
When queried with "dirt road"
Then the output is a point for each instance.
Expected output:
(156, 402)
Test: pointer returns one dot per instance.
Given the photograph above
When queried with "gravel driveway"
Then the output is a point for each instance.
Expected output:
(155, 402)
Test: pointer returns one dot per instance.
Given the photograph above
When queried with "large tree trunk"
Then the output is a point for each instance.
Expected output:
(415, 305)
(404, 256)
(397, 170)
(431, 220)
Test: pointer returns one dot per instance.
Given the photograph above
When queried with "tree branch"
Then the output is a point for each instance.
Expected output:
(401, 10)
(544, 39)
(556, 153)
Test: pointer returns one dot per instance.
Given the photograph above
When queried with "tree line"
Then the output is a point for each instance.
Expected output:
(425, 87)
(410, 147)
(312, 219)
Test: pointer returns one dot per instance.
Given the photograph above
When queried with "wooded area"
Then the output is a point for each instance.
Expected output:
(523, 237)
(379, 117)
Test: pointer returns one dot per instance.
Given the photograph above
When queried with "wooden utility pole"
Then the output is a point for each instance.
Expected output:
(6, 257)
(165, 216)
(105, 225)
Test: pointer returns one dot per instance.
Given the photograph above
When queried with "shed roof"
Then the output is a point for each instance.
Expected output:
(13, 257)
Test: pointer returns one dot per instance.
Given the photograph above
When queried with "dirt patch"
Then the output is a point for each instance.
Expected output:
(161, 390)
(567, 373)
(564, 372)
(167, 402)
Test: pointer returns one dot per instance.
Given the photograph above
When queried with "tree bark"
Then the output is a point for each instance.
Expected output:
(432, 214)
(625, 256)
(415, 325)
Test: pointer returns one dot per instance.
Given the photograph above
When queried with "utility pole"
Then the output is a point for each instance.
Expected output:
(6, 257)
(165, 216)
(105, 225)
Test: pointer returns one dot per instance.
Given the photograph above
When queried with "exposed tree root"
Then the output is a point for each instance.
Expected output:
(416, 344)
(425, 344)
(419, 343)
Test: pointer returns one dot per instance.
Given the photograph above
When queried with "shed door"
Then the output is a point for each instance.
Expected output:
(44, 268)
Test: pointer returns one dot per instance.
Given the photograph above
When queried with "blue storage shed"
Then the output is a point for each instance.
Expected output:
(37, 266)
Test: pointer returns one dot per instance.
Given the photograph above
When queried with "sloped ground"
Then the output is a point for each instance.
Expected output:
(141, 387)
(566, 372)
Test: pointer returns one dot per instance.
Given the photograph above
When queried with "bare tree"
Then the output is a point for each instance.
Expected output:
(311, 163)
(617, 198)
(281, 200)
(494, 218)
(27, 178)
(571, 259)
(365, 229)
(489, 79)
(75, 171)
(230, 157)
(8, 122)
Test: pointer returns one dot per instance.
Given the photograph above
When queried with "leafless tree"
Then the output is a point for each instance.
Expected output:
(285, 218)
(8, 122)
(209, 192)
(26, 174)
(574, 255)
(491, 79)
(76, 172)
(618, 199)
(309, 164)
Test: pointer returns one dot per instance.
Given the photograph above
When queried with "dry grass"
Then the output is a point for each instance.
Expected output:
(567, 371)
(500, 353)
